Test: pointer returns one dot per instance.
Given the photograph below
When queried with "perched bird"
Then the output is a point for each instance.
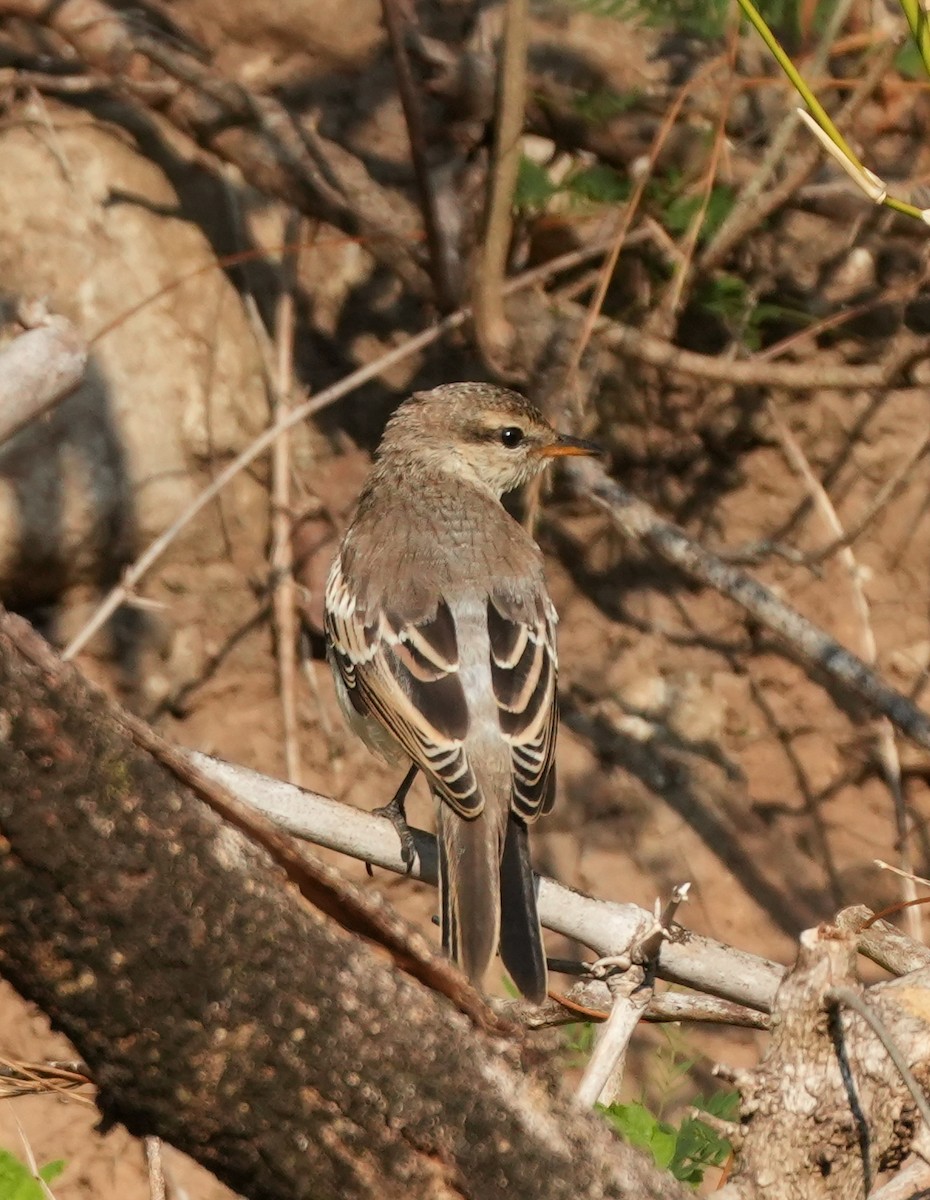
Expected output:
(441, 636)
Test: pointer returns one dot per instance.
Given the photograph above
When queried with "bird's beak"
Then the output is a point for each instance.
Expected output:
(565, 445)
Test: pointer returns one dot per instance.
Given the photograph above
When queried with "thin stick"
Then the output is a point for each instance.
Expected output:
(157, 1188)
(492, 329)
(440, 258)
(610, 263)
(674, 297)
(283, 590)
(635, 518)
(602, 1076)
(795, 377)
(886, 747)
(885, 494)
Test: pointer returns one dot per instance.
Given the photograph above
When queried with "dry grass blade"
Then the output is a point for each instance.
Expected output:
(22, 1078)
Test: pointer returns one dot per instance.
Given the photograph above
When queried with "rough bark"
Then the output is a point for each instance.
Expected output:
(828, 1111)
(219, 1010)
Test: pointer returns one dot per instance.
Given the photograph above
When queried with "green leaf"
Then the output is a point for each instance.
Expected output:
(602, 106)
(598, 184)
(534, 188)
(638, 1126)
(52, 1170)
(17, 1181)
(681, 210)
(909, 63)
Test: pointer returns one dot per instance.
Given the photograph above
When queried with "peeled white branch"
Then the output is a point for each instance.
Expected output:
(37, 369)
(606, 927)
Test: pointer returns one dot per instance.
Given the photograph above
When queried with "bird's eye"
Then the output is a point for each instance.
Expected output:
(511, 436)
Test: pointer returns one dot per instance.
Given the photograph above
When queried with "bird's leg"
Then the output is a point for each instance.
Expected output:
(396, 813)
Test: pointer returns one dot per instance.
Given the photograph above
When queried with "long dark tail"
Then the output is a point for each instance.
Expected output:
(469, 889)
(521, 935)
(478, 881)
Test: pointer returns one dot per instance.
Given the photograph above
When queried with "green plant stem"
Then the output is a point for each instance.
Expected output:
(920, 29)
(757, 21)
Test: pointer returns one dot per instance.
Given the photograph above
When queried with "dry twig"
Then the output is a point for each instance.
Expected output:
(284, 593)
(635, 518)
(492, 329)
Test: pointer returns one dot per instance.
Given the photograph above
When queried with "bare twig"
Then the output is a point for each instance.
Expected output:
(793, 377)
(621, 238)
(18, 1078)
(889, 490)
(635, 518)
(439, 251)
(675, 295)
(492, 329)
(589, 1000)
(882, 942)
(608, 928)
(31, 1161)
(631, 980)
(157, 1189)
(284, 597)
(630, 995)
(37, 370)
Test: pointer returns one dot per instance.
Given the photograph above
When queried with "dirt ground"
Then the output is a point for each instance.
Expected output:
(693, 745)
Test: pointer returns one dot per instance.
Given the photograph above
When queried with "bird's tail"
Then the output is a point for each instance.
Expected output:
(521, 934)
(469, 888)
(478, 878)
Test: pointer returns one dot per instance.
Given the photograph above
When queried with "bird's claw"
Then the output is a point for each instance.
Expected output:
(394, 812)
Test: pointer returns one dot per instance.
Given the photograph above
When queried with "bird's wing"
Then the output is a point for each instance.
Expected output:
(524, 670)
(404, 673)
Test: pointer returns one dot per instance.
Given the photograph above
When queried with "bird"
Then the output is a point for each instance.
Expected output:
(441, 636)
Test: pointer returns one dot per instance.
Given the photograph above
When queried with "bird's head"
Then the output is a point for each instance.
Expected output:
(484, 434)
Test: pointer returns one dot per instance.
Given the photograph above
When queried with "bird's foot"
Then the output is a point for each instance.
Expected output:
(396, 812)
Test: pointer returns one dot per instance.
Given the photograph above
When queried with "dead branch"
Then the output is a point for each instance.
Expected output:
(636, 519)
(629, 342)
(607, 927)
(37, 370)
(882, 942)
(219, 1009)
